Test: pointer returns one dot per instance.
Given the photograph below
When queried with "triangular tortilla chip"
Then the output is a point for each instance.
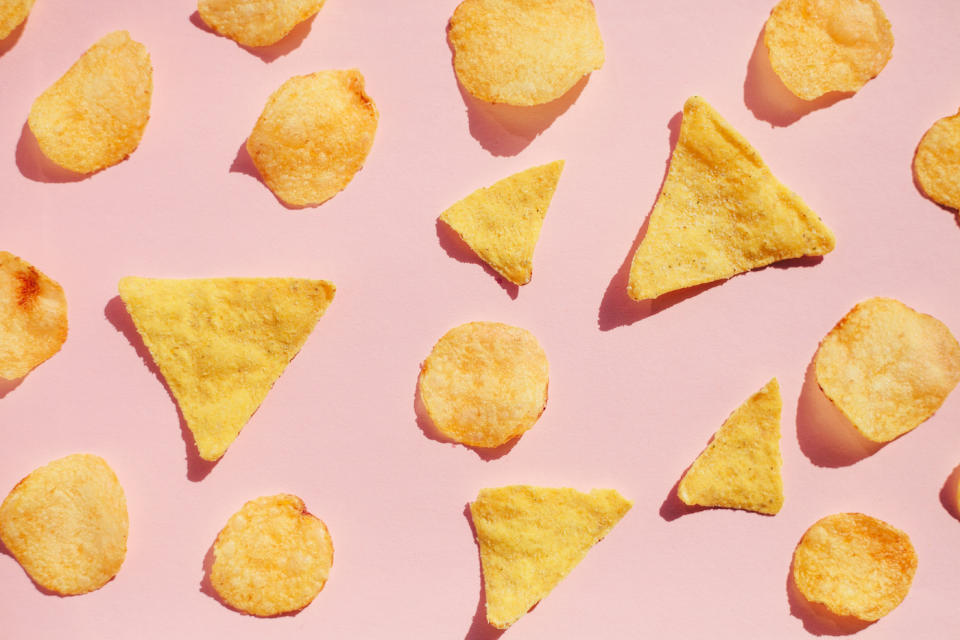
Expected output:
(740, 468)
(721, 212)
(221, 343)
(531, 537)
(501, 223)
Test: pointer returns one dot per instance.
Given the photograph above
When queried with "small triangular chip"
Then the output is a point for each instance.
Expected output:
(531, 537)
(501, 223)
(740, 468)
(221, 343)
(721, 212)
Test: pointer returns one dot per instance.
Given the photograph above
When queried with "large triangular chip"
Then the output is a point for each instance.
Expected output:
(740, 468)
(721, 212)
(501, 223)
(221, 343)
(531, 537)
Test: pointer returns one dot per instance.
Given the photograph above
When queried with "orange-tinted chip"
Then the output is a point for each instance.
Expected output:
(12, 13)
(937, 163)
(256, 23)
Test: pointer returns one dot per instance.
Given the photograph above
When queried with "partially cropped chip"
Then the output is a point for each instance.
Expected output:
(272, 557)
(95, 114)
(66, 524)
(485, 383)
(12, 13)
(854, 565)
(256, 23)
(524, 52)
(937, 163)
(33, 317)
(819, 46)
(887, 367)
(314, 136)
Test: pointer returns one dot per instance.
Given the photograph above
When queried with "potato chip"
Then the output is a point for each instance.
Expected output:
(937, 162)
(94, 115)
(524, 52)
(485, 383)
(66, 524)
(501, 223)
(819, 46)
(741, 467)
(221, 343)
(256, 23)
(854, 565)
(887, 367)
(272, 557)
(314, 136)
(530, 538)
(33, 317)
(12, 13)
(721, 212)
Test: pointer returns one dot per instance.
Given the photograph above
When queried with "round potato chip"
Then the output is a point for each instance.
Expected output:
(314, 136)
(33, 317)
(819, 46)
(256, 23)
(887, 367)
(524, 52)
(94, 115)
(12, 13)
(272, 557)
(66, 524)
(855, 565)
(485, 383)
(937, 162)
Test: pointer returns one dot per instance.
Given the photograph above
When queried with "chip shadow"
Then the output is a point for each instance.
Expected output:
(7, 43)
(34, 165)
(268, 53)
(816, 618)
(459, 250)
(673, 507)
(948, 493)
(7, 386)
(480, 629)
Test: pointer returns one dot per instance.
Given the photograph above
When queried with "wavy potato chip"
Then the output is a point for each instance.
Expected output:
(854, 565)
(66, 524)
(937, 162)
(313, 136)
(272, 557)
(721, 212)
(33, 317)
(485, 383)
(502, 223)
(256, 23)
(530, 538)
(95, 114)
(819, 46)
(887, 367)
(12, 13)
(524, 52)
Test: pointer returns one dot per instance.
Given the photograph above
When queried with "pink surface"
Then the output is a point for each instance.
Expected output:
(636, 388)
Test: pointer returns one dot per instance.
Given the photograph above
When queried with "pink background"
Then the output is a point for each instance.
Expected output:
(636, 389)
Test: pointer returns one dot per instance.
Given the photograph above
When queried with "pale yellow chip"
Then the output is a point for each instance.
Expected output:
(854, 565)
(485, 383)
(33, 317)
(741, 467)
(937, 162)
(66, 524)
(95, 114)
(272, 557)
(221, 343)
(721, 212)
(12, 13)
(887, 367)
(256, 23)
(531, 537)
(502, 223)
(524, 52)
(313, 136)
(819, 46)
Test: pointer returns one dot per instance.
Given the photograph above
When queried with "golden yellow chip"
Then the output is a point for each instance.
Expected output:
(66, 524)
(314, 136)
(485, 383)
(272, 557)
(819, 46)
(854, 565)
(937, 162)
(94, 115)
(524, 52)
(501, 223)
(33, 317)
(887, 367)
(741, 467)
(12, 13)
(256, 23)
(221, 343)
(531, 537)
(721, 212)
